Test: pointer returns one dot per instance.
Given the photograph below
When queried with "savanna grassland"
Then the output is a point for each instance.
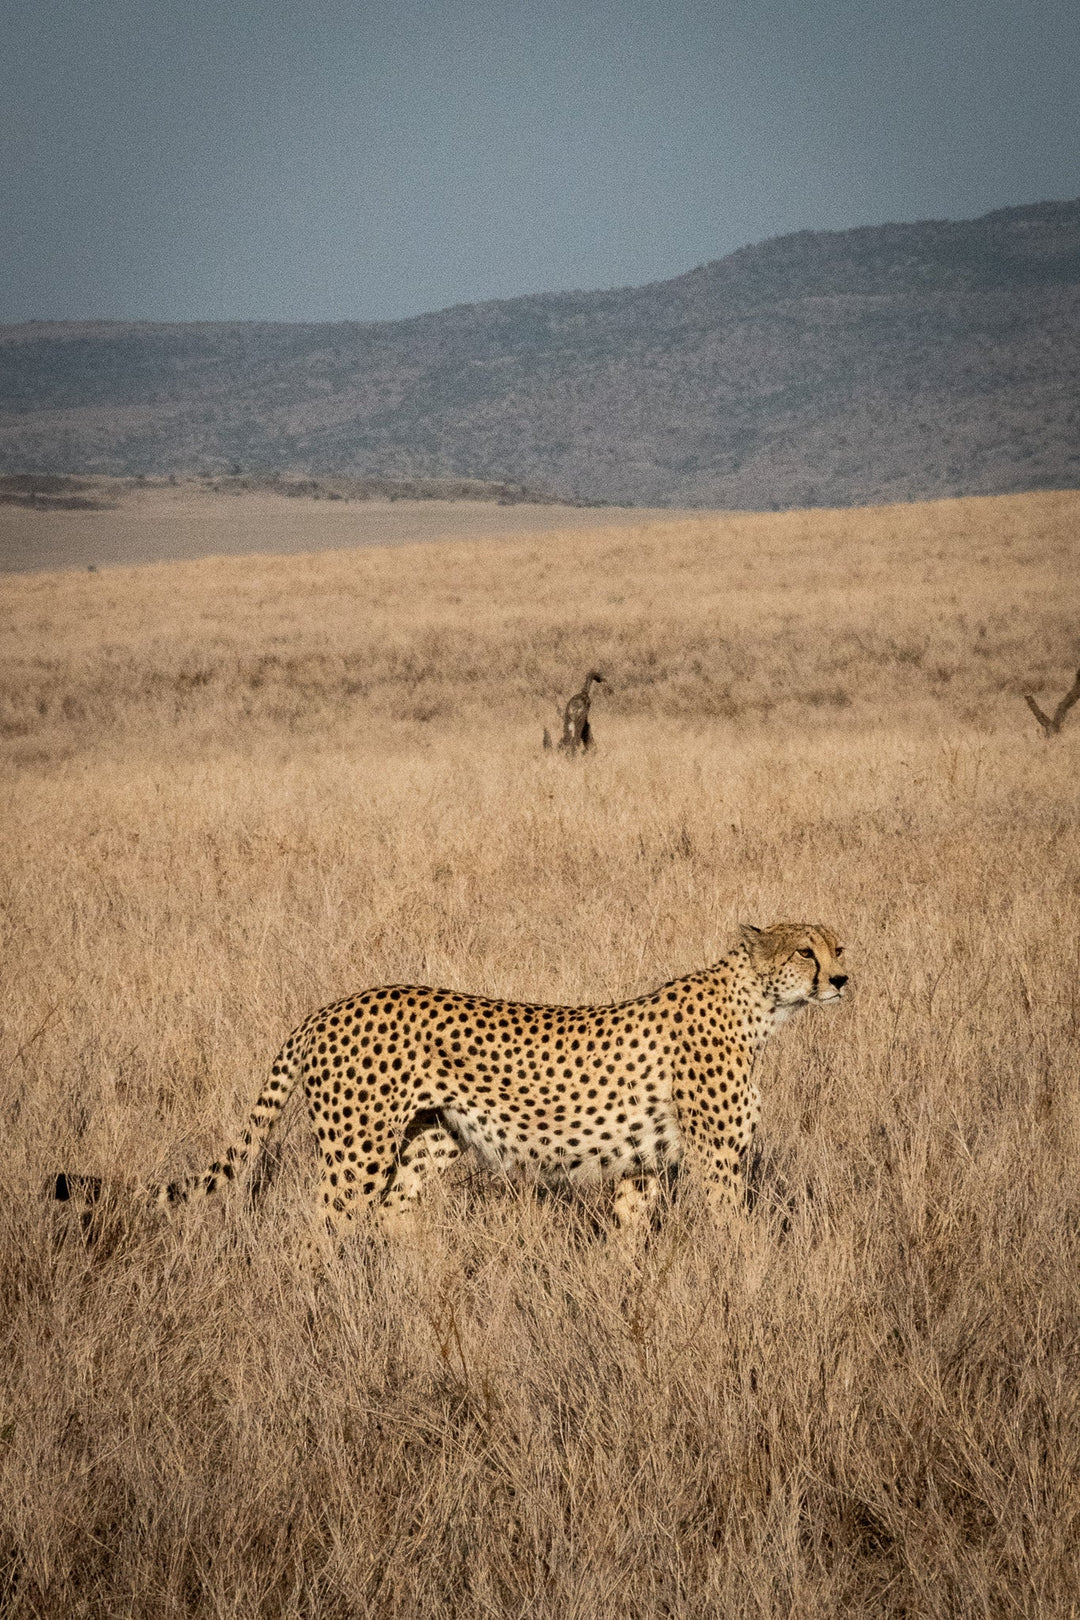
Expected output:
(237, 788)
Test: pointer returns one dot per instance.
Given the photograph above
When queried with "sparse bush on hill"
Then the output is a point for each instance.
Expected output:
(895, 362)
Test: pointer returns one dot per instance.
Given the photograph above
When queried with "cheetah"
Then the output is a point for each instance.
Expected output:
(399, 1081)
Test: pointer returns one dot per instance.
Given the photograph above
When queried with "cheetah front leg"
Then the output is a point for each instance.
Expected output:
(636, 1198)
(714, 1141)
(721, 1177)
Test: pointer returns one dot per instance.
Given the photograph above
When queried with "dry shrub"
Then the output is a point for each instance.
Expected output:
(864, 1399)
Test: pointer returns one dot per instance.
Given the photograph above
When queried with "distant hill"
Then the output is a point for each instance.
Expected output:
(893, 362)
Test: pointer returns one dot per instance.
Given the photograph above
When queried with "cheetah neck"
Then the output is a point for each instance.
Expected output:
(735, 983)
(774, 1013)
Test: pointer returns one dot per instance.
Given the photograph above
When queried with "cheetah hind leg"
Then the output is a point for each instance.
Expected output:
(428, 1146)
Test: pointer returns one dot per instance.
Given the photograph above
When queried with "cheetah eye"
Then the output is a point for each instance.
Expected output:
(810, 954)
(839, 951)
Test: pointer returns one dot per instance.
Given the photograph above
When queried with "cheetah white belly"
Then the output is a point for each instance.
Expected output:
(581, 1151)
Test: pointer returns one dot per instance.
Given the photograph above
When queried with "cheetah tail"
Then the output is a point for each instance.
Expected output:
(248, 1145)
(81, 1190)
(86, 1191)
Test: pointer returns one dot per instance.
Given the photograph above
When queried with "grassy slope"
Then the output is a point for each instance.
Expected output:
(238, 787)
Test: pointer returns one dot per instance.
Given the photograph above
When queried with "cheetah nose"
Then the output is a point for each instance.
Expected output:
(839, 980)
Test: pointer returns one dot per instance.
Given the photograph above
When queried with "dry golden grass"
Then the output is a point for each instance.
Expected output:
(236, 789)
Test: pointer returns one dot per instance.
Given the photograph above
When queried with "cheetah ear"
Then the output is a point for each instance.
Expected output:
(749, 934)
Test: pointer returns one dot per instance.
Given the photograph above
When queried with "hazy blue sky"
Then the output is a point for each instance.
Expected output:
(337, 159)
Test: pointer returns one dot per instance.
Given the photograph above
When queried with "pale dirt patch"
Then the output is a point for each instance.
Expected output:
(164, 524)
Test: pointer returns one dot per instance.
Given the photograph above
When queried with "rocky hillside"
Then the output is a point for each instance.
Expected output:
(827, 368)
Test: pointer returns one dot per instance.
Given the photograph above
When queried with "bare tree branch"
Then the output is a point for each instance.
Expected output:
(1051, 724)
(1072, 696)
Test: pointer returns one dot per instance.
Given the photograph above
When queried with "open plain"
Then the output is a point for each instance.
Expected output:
(237, 787)
(117, 521)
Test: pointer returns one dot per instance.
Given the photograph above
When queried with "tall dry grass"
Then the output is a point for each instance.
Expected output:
(238, 789)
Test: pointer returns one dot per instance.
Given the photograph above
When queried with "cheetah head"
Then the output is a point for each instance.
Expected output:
(797, 963)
